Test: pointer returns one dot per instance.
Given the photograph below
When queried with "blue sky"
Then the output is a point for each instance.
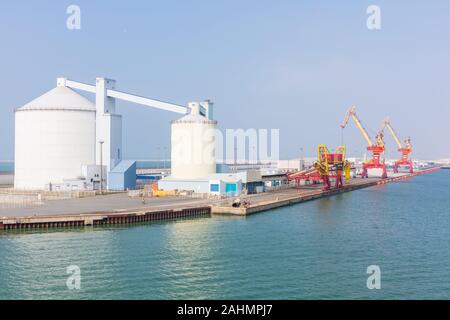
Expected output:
(292, 65)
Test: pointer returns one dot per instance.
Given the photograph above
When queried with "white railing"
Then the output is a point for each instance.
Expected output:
(18, 201)
(47, 195)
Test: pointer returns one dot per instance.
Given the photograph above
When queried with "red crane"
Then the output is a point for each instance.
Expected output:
(404, 150)
(376, 148)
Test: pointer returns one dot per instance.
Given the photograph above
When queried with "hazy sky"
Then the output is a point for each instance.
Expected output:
(293, 65)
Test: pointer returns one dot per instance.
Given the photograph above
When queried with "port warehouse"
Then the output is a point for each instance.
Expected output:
(63, 141)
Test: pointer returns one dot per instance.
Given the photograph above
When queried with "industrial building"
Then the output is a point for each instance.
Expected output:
(194, 166)
(292, 164)
(193, 157)
(193, 145)
(123, 176)
(220, 183)
(54, 137)
(64, 141)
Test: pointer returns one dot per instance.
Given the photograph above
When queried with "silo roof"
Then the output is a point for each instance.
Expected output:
(194, 118)
(60, 98)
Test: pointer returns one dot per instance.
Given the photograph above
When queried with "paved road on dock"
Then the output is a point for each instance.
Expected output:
(108, 203)
(292, 192)
(116, 203)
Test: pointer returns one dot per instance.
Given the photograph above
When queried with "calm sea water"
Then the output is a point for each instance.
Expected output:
(319, 249)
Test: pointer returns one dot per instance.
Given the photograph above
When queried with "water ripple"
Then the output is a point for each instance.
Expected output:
(316, 250)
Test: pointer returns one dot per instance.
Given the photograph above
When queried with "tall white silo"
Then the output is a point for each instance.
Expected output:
(193, 145)
(54, 137)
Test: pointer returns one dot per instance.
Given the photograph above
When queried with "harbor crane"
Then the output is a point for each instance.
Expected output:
(332, 165)
(376, 148)
(328, 166)
(404, 150)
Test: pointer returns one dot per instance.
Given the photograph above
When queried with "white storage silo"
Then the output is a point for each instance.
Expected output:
(193, 145)
(54, 137)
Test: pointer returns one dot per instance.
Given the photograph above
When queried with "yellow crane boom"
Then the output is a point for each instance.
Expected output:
(351, 113)
(387, 124)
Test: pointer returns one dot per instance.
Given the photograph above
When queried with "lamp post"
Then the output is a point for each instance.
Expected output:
(254, 161)
(302, 161)
(159, 164)
(165, 156)
(101, 165)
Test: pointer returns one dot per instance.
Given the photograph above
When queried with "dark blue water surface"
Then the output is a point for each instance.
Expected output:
(320, 249)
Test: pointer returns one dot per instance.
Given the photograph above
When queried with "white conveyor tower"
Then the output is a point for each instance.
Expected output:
(109, 124)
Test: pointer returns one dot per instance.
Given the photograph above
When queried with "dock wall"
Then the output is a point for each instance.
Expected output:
(71, 221)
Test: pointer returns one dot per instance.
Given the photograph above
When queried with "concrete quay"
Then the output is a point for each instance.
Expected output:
(302, 194)
(80, 212)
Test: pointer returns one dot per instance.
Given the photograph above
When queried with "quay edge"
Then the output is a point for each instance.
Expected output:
(105, 219)
(264, 206)
(81, 220)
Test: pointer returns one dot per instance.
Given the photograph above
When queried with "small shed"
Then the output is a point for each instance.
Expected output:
(123, 176)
